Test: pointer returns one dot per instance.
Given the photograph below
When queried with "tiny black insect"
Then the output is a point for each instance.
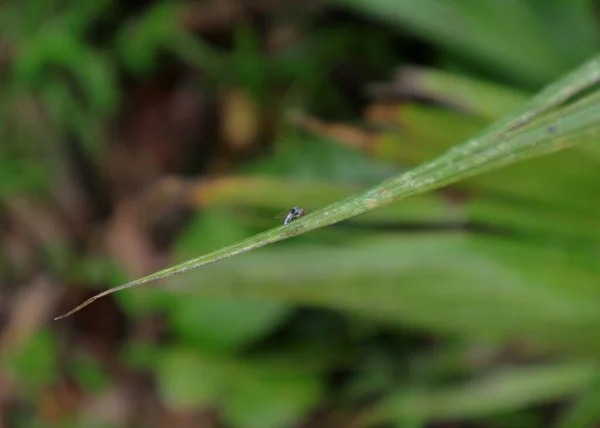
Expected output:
(292, 215)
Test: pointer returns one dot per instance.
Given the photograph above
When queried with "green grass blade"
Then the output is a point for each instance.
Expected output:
(513, 139)
(501, 391)
(522, 215)
(484, 99)
(511, 38)
(270, 194)
(585, 411)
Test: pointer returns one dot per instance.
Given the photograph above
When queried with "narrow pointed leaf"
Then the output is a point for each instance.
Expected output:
(523, 135)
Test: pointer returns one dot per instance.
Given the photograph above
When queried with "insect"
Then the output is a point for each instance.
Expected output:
(292, 215)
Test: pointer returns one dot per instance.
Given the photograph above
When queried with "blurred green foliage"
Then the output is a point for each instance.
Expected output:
(514, 261)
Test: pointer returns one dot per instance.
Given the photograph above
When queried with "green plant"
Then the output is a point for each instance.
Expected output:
(553, 120)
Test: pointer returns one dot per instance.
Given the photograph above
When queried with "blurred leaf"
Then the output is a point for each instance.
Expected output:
(159, 30)
(142, 355)
(208, 230)
(76, 82)
(97, 270)
(186, 380)
(510, 37)
(29, 19)
(198, 53)
(89, 374)
(141, 41)
(155, 299)
(21, 174)
(582, 36)
(80, 15)
(504, 390)
(271, 397)
(487, 100)
(224, 324)
(523, 217)
(305, 159)
(442, 282)
(248, 64)
(98, 79)
(585, 410)
(425, 140)
(62, 49)
(35, 363)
